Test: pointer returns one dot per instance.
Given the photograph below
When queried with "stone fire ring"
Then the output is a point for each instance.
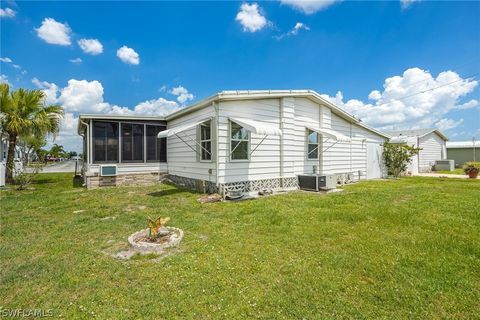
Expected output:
(149, 247)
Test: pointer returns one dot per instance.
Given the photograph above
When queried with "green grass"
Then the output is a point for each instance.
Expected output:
(455, 171)
(407, 248)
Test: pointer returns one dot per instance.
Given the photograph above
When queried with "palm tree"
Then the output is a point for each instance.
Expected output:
(23, 112)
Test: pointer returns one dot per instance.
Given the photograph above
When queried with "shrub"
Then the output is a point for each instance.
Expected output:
(471, 167)
(397, 157)
(23, 175)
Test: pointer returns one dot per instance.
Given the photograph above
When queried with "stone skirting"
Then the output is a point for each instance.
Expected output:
(194, 184)
(127, 179)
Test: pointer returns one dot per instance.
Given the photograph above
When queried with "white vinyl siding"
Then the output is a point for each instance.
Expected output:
(124, 168)
(297, 113)
(433, 148)
(182, 160)
(335, 157)
(264, 162)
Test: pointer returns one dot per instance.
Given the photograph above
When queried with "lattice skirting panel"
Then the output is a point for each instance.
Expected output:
(243, 186)
(261, 185)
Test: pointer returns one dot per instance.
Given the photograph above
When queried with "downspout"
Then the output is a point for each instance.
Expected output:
(321, 122)
(350, 145)
(418, 155)
(282, 152)
(87, 149)
(217, 120)
(83, 135)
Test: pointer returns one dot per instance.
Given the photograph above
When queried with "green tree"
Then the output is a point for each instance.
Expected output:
(397, 157)
(72, 154)
(57, 151)
(29, 145)
(23, 112)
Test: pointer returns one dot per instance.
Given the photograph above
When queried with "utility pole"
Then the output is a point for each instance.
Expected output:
(473, 143)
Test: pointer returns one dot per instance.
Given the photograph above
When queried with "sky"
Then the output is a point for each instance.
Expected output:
(393, 64)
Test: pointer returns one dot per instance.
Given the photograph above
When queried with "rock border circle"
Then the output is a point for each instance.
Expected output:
(149, 247)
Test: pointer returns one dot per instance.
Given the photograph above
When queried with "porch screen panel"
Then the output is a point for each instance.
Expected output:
(156, 148)
(105, 141)
(132, 142)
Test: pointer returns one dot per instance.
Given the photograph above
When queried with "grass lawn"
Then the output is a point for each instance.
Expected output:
(455, 171)
(406, 248)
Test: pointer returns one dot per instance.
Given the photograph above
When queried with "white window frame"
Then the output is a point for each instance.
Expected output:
(307, 144)
(230, 142)
(205, 140)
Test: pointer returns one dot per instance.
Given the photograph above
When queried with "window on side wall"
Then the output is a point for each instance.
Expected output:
(239, 142)
(206, 141)
(312, 145)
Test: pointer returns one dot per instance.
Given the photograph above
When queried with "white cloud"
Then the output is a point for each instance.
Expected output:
(156, 107)
(7, 13)
(407, 3)
(250, 17)
(82, 96)
(4, 79)
(413, 100)
(447, 124)
(375, 95)
(54, 32)
(90, 46)
(182, 94)
(294, 31)
(128, 55)
(50, 90)
(76, 60)
(309, 6)
(16, 66)
(468, 105)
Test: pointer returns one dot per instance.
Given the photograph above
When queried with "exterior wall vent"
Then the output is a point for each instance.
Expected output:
(109, 170)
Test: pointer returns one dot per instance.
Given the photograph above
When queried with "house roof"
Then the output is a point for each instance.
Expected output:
(232, 95)
(86, 117)
(246, 95)
(416, 133)
(462, 144)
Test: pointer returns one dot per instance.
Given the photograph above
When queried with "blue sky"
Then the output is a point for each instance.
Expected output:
(372, 58)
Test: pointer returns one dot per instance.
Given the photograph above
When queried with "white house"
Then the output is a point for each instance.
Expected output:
(432, 143)
(3, 157)
(244, 140)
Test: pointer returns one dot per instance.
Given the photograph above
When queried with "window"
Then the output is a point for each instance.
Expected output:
(156, 148)
(312, 145)
(132, 142)
(239, 142)
(105, 141)
(206, 141)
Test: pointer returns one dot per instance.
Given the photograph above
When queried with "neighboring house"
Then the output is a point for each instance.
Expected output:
(432, 143)
(244, 140)
(3, 157)
(463, 151)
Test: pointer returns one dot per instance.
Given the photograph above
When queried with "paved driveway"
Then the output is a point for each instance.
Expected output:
(443, 175)
(62, 166)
